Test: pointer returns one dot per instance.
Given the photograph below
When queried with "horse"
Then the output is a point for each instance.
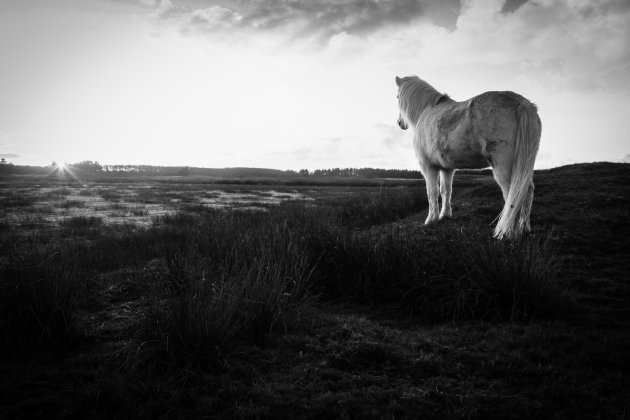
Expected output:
(500, 130)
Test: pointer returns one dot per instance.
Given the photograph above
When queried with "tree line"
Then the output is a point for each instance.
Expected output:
(363, 173)
(89, 166)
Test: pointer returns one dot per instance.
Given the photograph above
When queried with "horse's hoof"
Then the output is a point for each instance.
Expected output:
(430, 219)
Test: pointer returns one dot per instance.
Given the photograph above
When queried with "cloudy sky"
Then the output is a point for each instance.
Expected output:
(298, 84)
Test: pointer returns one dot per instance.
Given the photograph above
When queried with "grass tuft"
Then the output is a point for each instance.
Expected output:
(226, 286)
(386, 205)
(451, 277)
(38, 297)
(72, 204)
(519, 278)
(80, 224)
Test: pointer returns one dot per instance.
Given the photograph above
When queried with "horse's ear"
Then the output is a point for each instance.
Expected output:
(398, 81)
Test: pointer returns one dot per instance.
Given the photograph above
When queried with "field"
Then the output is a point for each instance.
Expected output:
(192, 297)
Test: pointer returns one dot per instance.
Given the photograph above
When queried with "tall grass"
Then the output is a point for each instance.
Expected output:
(16, 199)
(70, 204)
(38, 298)
(231, 278)
(77, 224)
(449, 276)
(478, 277)
(386, 205)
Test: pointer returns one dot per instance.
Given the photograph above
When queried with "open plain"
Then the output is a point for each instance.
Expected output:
(191, 297)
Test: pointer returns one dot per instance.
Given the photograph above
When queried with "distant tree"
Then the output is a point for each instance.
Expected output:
(3, 161)
(88, 166)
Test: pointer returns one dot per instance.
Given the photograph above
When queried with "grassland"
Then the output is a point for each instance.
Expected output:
(190, 297)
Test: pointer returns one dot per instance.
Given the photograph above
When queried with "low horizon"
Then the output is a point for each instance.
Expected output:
(321, 168)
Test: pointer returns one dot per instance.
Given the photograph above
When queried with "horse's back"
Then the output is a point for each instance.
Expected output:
(502, 99)
(495, 114)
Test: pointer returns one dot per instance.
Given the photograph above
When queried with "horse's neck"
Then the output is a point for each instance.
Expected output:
(421, 104)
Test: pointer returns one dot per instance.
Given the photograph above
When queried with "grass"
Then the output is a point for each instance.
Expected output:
(38, 300)
(388, 204)
(139, 211)
(12, 199)
(77, 225)
(70, 204)
(221, 286)
(342, 307)
(32, 221)
(239, 276)
(204, 307)
(517, 280)
(110, 195)
(58, 192)
(467, 276)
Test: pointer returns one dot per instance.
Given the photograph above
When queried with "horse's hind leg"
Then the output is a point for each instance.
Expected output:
(431, 179)
(446, 189)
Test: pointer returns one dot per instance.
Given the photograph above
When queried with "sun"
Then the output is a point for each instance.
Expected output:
(61, 169)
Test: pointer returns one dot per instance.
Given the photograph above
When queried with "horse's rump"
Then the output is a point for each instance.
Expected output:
(494, 115)
(468, 134)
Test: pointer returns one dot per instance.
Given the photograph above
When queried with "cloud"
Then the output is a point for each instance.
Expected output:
(331, 17)
(511, 5)
(9, 155)
(317, 19)
(144, 3)
(214, 18)
(625, 158)
(165, 9)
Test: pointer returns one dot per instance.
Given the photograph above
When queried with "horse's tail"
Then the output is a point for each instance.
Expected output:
(514, 217)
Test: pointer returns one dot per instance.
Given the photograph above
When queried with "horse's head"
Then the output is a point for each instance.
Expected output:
(401, 121)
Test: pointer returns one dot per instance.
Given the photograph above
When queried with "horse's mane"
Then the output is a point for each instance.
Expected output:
(415, 95)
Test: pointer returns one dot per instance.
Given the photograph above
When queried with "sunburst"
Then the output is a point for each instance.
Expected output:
(61, 170)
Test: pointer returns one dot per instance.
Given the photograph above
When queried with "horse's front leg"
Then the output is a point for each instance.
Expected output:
(446, 189)
(433, 191)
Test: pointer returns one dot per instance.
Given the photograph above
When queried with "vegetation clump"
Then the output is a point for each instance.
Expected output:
(227, 280)
(38, 302)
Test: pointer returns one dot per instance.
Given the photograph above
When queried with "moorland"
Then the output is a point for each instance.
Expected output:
(196, 296)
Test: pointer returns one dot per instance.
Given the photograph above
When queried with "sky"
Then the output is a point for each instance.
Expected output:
(294, 84)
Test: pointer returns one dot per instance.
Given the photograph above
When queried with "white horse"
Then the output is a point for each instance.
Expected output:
(497, 129)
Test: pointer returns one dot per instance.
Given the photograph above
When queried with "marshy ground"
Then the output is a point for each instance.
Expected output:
(185, 297)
